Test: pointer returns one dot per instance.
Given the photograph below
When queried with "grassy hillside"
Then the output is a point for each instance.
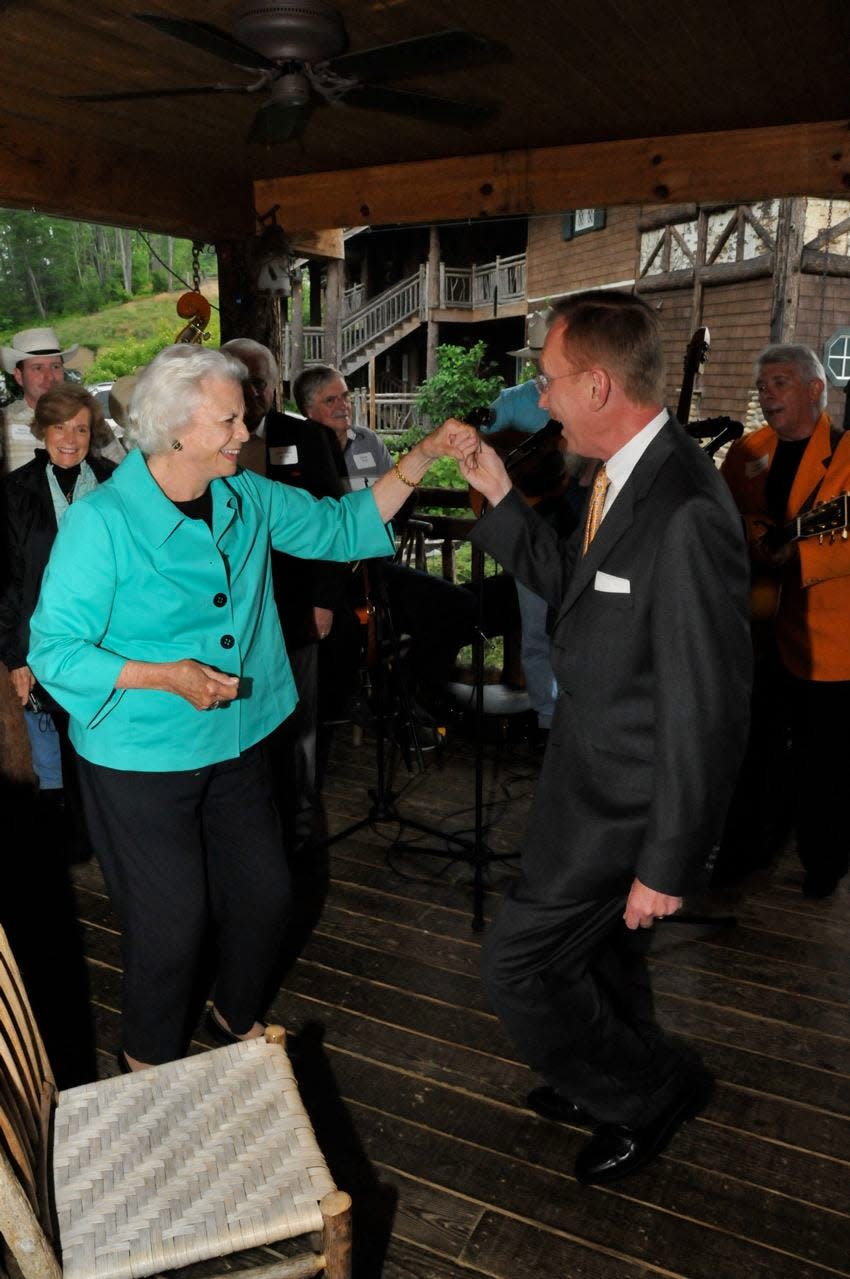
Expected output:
(128, 334)
(139, 319)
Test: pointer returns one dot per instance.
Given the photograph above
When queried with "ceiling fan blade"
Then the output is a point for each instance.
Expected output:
(130, 94)
(201, 35)
(278, 122)
(423, 106)
(438, 51)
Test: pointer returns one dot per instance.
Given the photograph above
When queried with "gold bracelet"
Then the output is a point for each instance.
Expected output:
(411, 484)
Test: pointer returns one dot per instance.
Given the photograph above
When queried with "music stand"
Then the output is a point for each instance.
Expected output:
(475, 851)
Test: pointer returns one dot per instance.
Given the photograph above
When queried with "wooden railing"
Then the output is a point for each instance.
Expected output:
(352, 299)
(383, 314)
(314, 345)
(395, 411)
(446, 529)
(468, 288)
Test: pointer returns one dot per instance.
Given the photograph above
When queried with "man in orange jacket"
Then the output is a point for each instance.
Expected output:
(797, 460)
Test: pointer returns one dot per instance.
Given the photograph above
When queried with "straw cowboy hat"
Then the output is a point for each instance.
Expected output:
(538, 327)
(31, 342)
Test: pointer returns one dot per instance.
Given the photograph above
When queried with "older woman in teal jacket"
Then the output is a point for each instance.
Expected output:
(158, 632)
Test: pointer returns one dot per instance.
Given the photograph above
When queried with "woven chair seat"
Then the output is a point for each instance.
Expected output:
(195, 1159)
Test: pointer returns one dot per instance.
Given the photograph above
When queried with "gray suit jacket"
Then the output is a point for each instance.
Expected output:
(651, 723)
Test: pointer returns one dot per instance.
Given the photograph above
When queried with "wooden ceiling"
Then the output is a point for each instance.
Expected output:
(601, 102)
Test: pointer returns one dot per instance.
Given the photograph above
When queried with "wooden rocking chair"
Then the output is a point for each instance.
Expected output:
(181, 1163)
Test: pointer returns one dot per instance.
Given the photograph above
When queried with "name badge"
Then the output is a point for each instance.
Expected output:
(756, 467)
(284, 455)
(23, 434)
(363, 461)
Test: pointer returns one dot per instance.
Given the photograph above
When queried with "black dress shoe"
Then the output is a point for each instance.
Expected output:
(817, 884)
(615, 1150)
(551, 1104)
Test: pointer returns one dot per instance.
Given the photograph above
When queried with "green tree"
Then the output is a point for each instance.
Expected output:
(462, 383)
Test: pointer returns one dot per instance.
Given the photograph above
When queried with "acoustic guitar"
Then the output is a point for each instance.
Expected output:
(827, 519)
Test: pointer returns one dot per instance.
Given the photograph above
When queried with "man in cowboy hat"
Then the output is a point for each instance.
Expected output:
(36, 362)
(517, 406)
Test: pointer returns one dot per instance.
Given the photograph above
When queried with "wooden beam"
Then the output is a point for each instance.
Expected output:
(327, 243)
(800, 159)
(42, 170)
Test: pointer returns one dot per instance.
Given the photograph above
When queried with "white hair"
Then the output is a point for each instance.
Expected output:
(241, 347)
(804, 360)
(169, 391)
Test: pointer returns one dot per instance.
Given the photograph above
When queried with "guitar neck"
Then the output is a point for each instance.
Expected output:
(695, 357)
(829, 518)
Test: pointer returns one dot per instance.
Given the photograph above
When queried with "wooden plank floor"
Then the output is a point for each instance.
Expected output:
(416, 1094)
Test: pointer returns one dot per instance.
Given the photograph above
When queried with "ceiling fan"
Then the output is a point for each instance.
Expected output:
(298, 53)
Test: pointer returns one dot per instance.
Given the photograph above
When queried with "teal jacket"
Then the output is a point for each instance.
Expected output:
(130, 578)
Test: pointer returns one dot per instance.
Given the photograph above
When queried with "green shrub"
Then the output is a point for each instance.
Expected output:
(462, 383)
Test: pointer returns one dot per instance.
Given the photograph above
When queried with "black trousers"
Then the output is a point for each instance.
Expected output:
(569, 983)
(186, 854)
(820, 755)
(802, 788)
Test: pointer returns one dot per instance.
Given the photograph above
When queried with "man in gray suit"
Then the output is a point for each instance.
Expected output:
(651, 651)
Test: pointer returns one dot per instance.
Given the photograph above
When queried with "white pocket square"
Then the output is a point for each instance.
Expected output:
(615, 585)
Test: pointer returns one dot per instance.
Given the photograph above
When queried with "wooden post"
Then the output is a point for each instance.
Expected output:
(699, 261)
(433, 330)
(296, 328)
(373, 408)
(333, 310)
(314, 272)
(277, 337)
(244, 312)
(787, 258)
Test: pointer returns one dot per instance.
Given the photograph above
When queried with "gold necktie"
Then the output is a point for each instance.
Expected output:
(595, 507)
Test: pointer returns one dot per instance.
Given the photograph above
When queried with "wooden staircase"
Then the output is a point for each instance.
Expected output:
(371, 329)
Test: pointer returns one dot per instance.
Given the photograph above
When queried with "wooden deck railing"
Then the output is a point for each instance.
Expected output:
(467, 288)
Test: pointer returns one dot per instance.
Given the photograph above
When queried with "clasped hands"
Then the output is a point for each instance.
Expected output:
(480, 465)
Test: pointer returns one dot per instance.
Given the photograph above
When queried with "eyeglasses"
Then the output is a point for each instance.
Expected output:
(345, 398)
(543, 381)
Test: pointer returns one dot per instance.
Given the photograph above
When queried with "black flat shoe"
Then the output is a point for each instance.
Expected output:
(219, 1031)
(551, 1104)
(616, 1150)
